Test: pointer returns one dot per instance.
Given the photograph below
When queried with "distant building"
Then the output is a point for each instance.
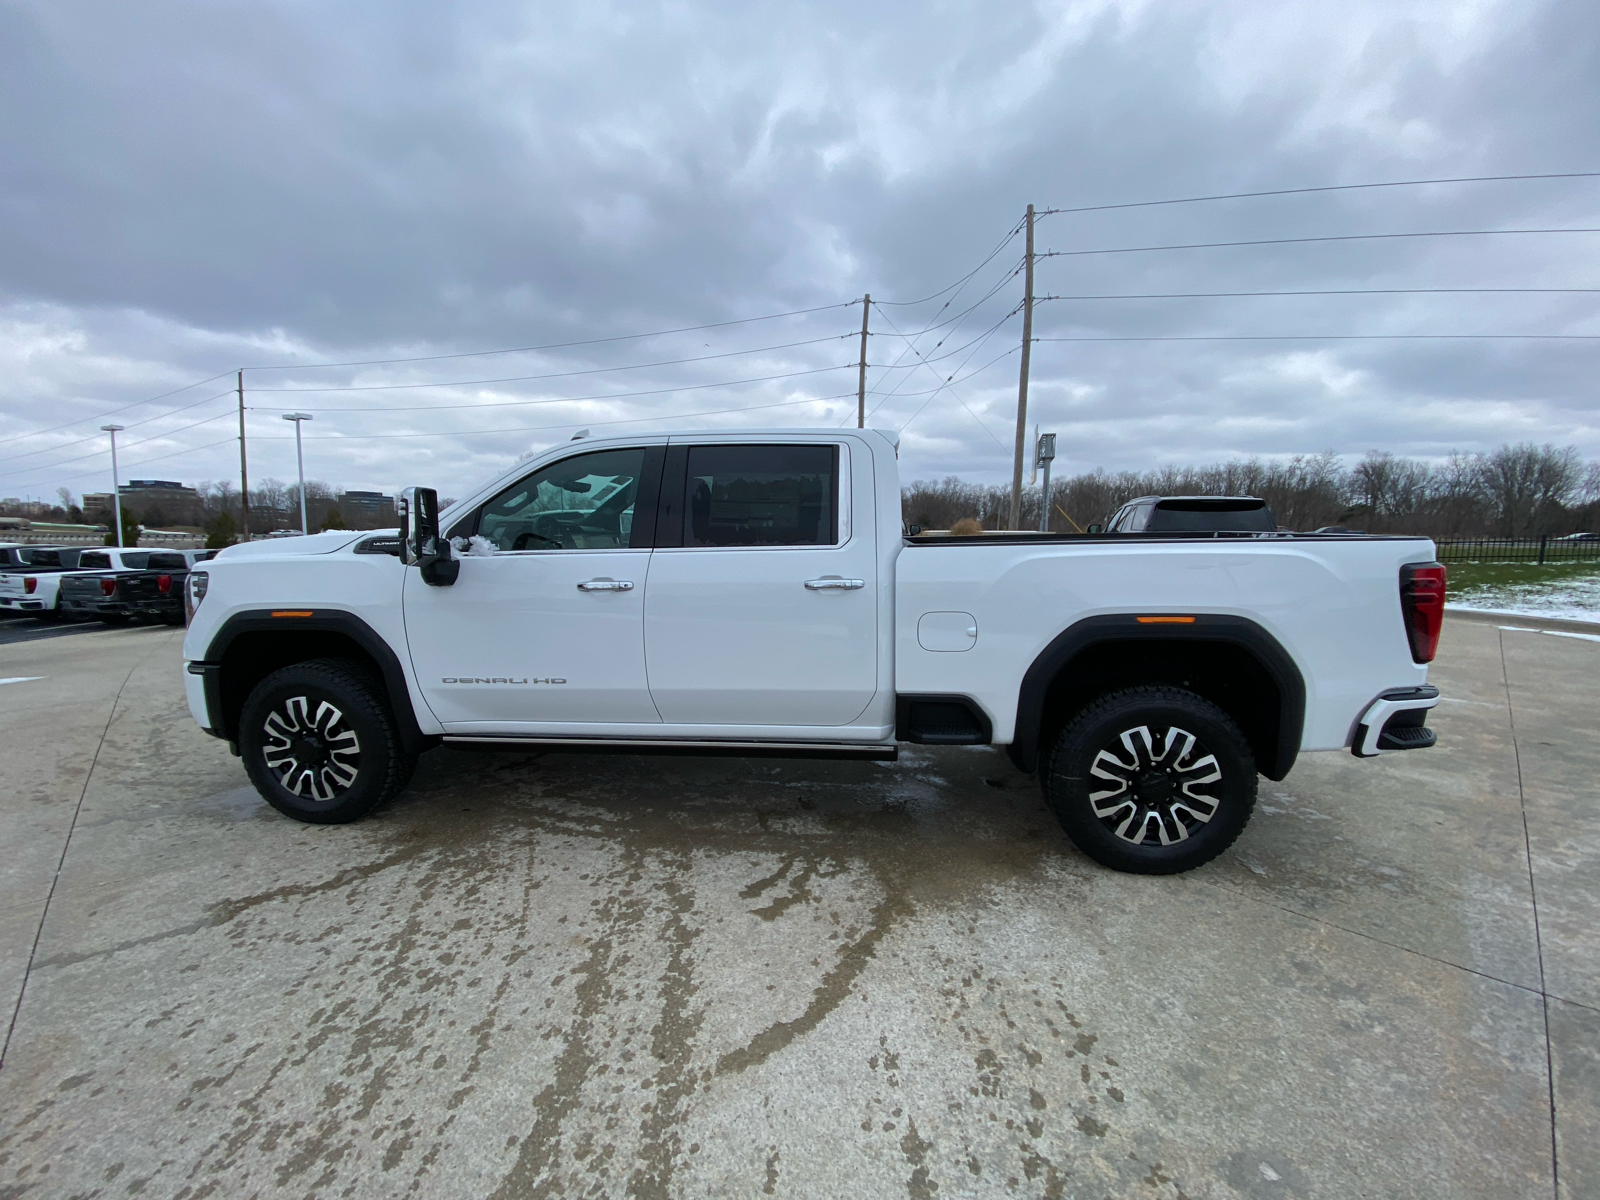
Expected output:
(366, 510)
(170, 502)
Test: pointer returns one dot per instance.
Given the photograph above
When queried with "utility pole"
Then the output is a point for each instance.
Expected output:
(116, 488)
(861, 373)
(1022, 379)
(244, 473)
(1045, 451)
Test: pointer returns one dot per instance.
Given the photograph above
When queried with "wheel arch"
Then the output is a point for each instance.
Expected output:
(1230, 661)
(253, 644)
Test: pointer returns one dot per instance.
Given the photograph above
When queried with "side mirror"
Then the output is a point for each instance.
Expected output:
(420, 543)
(1096, 529)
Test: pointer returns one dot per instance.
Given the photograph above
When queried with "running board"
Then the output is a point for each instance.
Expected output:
(875, 752)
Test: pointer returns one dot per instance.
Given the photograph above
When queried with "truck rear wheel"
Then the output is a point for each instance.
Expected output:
(319, 742)
(1153, 780)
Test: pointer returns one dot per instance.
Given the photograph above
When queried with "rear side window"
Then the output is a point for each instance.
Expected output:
(1213, 516)
(761, 496)
(94, 560)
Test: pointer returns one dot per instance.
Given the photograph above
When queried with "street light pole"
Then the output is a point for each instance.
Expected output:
(116, 489)
(300, 460)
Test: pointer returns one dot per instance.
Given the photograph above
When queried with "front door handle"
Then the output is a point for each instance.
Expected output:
(606, 585)
(832, 583)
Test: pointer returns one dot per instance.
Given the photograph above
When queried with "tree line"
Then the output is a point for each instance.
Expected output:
(1516, 491)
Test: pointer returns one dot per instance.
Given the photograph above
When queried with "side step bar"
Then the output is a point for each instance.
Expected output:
(875, 752)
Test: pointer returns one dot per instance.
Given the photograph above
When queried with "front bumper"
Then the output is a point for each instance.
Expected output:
(1394, 721)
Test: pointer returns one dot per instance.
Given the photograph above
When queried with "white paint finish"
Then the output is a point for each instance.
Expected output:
(734, 637)
(194, 691)
(1333, 605)
(947, 632)
(522, 616)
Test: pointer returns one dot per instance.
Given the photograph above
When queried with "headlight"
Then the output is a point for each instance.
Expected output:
(194, 591)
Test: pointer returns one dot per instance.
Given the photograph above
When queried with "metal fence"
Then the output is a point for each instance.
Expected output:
(1528, 550)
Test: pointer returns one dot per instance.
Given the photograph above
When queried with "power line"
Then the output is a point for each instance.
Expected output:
(1330, 292)
(1004, 242)
(95, 437)
(1346, 237)
(365, 437)
(625, 337)
(112, 411)
(695, 387)
(1338, 187)
(1340, 337)
(67, 462)
(397, 387)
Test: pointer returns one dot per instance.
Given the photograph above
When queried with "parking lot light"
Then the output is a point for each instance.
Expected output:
(300, 460)
(116, 491)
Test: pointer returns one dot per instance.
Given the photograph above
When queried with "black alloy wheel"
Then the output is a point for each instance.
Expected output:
(319, 742)
(1153, 780)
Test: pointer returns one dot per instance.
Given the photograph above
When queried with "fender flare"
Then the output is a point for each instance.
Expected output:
(1121, 627)
(321, 620)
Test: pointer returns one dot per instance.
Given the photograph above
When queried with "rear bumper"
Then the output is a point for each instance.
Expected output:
(20, 605)
(110, 608)
(1395, 721)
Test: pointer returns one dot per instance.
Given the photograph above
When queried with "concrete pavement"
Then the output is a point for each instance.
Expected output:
(676, 977)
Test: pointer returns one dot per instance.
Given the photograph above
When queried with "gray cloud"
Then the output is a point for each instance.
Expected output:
(188, 188)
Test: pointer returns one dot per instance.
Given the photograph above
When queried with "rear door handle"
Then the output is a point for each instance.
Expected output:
(832, 583)
(606, 585)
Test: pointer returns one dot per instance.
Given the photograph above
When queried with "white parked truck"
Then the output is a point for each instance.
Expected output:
(756, 594)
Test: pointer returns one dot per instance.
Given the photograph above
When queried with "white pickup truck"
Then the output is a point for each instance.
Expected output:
(755, 594)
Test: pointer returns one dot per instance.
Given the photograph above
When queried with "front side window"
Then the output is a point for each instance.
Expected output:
(580, 503)
(762, 496)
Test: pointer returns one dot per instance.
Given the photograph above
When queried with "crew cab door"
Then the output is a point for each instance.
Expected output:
(761, 608)
(549, 629)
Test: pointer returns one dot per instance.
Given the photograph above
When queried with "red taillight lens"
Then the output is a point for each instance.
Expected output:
(1422, 603)
(30, 585)
(108, 587)
(164, 584)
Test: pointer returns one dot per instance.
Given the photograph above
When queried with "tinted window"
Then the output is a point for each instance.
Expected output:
(581, 503)
(1213, 516)
(135, 562)
(167, 562)
(93, 559)
(761, 496)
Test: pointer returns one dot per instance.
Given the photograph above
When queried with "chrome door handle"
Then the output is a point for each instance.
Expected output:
(606, 585)
(832, 583)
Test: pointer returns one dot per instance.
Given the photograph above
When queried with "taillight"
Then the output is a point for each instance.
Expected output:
(30, 585)
(194, 591)
(108, 587)
(164, 584)
(1422, 604)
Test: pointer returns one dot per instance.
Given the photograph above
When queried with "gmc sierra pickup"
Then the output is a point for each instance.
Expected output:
(755, 594)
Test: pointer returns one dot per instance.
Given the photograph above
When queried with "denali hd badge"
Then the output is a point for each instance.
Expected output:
(478, 679)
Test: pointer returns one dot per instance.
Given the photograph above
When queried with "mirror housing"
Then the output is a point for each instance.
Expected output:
(420, 543)
(1096, 529)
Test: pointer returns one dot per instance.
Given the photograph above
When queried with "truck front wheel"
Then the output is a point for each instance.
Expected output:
(319, 742)
(1153, 780)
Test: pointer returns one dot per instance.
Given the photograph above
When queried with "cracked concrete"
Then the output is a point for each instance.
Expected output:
(588, 976)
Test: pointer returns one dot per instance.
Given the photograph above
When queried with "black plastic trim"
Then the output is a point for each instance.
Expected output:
(1231, 630)
(922, 728)
(874, 751)
(647, 500)
(674, 486)
(320, 621)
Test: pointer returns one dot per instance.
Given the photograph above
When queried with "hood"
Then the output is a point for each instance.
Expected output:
(316, 543)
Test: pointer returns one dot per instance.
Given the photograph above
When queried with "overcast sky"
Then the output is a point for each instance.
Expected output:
(190, 188)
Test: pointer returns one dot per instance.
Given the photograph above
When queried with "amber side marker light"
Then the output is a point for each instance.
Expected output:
(1165, 620)
(291, 614)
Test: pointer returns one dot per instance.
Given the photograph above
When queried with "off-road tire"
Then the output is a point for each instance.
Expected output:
(1132, 778)
(319, 742)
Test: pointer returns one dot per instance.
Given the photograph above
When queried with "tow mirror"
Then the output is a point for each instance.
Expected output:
(1096, 529)
(420, 543)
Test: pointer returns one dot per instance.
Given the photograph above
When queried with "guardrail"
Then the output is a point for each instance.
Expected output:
(1528, 550)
